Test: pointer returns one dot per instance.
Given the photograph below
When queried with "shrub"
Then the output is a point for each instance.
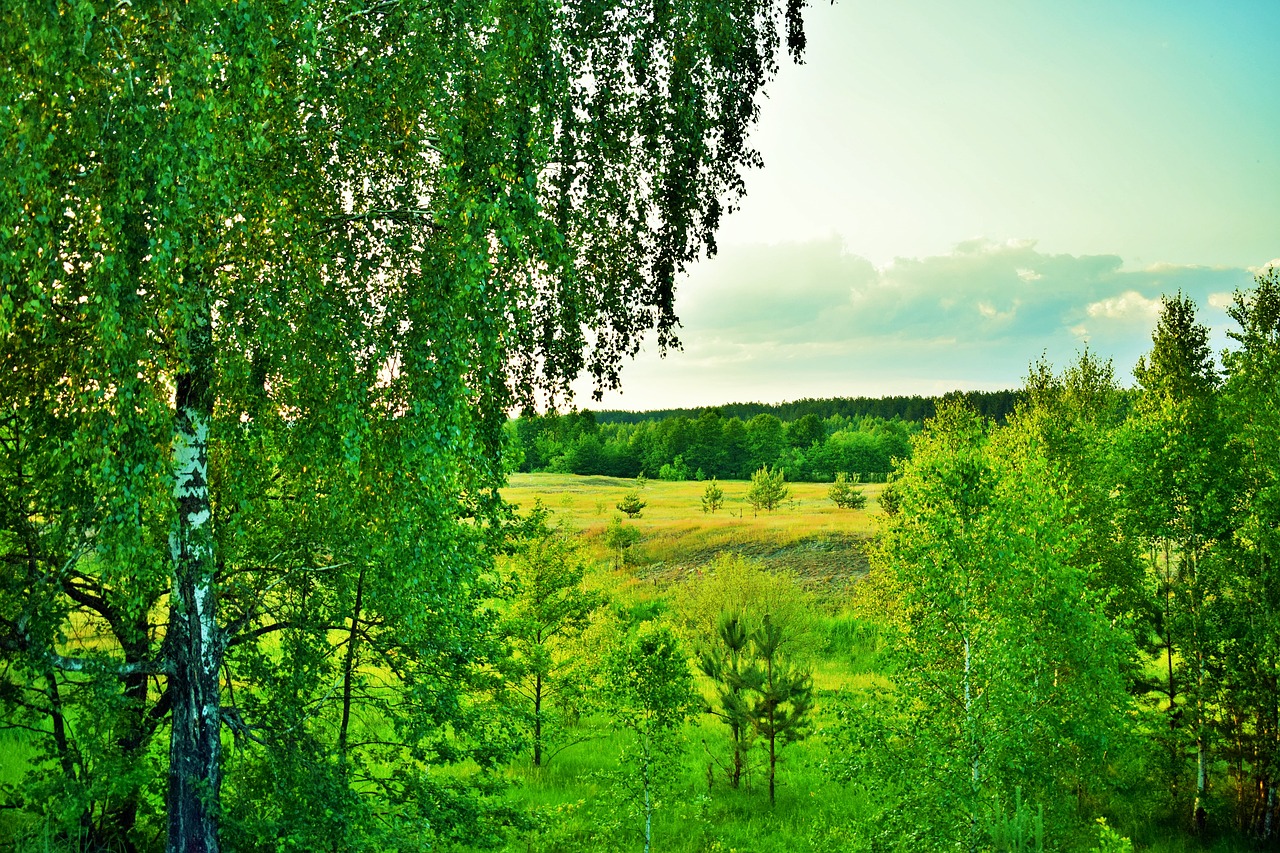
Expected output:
(845, 493)
(768, 489)
(631, 504)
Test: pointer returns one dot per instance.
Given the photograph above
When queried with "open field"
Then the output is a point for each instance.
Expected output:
(809, 534)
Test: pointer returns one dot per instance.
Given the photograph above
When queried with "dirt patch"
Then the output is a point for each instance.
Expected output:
(827, 563)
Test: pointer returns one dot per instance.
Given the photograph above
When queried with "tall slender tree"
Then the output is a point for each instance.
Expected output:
(1178, 495)
(1007, 673)
(546, 610)
(1248, 605)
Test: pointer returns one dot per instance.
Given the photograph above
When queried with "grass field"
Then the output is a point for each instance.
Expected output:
(826, 547)
(808, 534)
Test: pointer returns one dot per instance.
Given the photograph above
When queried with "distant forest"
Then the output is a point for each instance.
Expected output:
(811, 440)
(995, 405)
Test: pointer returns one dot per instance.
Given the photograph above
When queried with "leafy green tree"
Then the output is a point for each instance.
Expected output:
(707, 453)
(675, 471)
(768, 489)
(284, 268)
(805, 432)
(712, 496)
(845, 493)
(1177, 495)
(650, 692)
(631, 504)
(1073, 420)
(542, 619)
(1006, 673)
(1247, 605)
(765, 441)
(734, 442)
(618, 537)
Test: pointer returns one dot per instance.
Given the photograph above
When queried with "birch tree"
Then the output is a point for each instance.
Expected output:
(650, 692)
(1249, 601)
(272, 275)
(1177, 495)
(1007, 676)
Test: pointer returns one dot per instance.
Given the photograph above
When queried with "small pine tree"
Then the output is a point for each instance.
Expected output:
(844, 492)
(712, 496)
(619, 537)
(728, 664)
(631, 504)
(768, 489)
(783, 695)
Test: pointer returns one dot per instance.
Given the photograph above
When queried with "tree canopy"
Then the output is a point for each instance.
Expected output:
(272, 275)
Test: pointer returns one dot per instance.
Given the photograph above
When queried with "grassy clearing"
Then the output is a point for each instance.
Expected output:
(579, 809)
(822, 543)
(809, 534)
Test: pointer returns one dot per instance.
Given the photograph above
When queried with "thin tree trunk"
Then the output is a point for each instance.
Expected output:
(648, 801)
(773, 728)
(773, 761)
(60, 728)
(1199, 813)
(1269, 814)
(349, 667)
(735, 778)
(1168, 633)
(194, 639)
(973, 742)
(537, 719)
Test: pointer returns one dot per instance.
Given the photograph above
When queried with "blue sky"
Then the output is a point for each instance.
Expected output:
(953, 189)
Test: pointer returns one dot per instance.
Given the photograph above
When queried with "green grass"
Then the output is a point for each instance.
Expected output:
(582, 813)
(826, 546)
(808, 535)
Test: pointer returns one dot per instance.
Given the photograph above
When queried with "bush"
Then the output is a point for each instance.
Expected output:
(631, 504)
(768, 489)
(845, 493)
(675, 471)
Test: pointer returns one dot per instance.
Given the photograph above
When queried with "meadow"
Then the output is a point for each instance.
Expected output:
(808, 535)
(574, 805)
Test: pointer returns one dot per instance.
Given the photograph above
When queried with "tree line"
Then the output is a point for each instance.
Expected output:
(997, 405)
(712, 445)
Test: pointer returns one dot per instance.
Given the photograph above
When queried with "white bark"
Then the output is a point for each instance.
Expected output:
(194, 641)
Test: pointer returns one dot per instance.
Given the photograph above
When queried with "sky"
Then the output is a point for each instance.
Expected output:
(953, 190)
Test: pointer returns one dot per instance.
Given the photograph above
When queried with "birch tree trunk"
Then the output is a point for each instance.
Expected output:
(194, 639)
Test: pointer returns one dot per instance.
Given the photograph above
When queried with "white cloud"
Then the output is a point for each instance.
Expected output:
(1221, 301)
(1130, 305)
(786, 321)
